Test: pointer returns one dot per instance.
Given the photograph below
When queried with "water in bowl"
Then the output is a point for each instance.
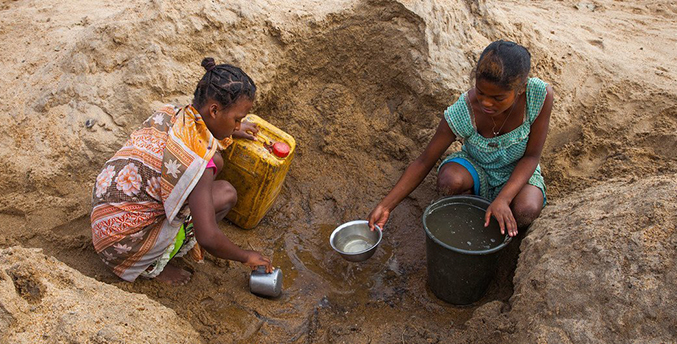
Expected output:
(356, 243)
(462, 226)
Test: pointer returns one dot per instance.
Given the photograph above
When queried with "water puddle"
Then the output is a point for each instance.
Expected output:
(311, 261)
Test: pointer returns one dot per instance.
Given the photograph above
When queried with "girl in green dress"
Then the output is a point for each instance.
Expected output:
(502, 122)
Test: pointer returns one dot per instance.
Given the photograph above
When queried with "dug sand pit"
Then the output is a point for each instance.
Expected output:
(361, 85)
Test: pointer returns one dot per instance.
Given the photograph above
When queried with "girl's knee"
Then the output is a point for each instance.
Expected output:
(225, 194)
(454, 179)
(526, 212)
(450, 184)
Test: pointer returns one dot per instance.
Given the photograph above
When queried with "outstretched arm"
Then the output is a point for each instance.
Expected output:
(207, 232)
(413, 175)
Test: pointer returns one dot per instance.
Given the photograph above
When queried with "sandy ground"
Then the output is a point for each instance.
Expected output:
(361, 86)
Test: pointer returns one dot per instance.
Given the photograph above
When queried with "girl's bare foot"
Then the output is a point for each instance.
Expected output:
(173, 275)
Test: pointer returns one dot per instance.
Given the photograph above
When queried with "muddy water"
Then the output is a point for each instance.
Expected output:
(315, 260)
(462, 226)
(325, 296)
(355, 244)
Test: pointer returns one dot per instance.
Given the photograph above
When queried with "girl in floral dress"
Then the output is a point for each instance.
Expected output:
(148, 191)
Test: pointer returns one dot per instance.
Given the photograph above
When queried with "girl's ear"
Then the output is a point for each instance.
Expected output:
(522, 90)
(213, 109)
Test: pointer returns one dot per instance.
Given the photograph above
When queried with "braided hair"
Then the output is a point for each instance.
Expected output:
(504, 63)
(223, 83)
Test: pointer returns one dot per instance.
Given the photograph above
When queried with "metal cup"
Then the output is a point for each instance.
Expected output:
(266, 284)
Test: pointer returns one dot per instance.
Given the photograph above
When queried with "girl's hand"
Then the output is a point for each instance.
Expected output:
(247, 131)
(255, 259)
(378, 216)
(500, 209)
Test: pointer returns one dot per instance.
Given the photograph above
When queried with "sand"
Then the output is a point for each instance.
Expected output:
(361, 85)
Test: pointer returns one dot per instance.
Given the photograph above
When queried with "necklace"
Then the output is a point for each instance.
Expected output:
(493, 127)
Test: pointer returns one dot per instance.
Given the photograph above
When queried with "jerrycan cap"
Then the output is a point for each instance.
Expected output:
(280, 149)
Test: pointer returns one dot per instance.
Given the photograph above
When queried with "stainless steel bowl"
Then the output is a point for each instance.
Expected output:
(354, 241)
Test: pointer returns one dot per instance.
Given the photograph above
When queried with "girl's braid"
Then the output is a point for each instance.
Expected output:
(223, 83)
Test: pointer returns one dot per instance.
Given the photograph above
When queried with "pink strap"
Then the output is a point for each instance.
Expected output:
(211, 164)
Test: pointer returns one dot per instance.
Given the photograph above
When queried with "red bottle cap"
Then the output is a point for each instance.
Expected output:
(280, 149)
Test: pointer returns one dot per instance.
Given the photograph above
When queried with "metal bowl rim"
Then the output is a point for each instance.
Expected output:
(350, 223)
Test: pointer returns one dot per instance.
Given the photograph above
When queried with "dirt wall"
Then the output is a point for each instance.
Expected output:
(44, 301)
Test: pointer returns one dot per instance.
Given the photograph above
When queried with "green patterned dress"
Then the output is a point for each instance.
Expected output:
(494, 158)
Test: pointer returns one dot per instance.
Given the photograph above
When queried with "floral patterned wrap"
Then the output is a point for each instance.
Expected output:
(140, 196)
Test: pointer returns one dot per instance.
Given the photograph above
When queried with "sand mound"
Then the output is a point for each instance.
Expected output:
(595, 269)
(361, 85)
(43, 300)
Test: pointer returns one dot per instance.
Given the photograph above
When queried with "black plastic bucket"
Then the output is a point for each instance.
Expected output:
(462, 254)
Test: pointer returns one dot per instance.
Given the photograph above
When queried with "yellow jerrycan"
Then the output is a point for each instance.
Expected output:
(257, 168)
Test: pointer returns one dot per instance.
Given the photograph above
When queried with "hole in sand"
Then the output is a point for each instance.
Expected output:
(26, 284)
